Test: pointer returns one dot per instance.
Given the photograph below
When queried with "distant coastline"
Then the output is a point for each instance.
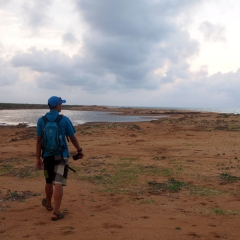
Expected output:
(132, 110)
(128, 110)
(12, 106)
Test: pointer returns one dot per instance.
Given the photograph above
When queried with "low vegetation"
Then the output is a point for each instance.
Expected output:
(20, 168)
(125, 177)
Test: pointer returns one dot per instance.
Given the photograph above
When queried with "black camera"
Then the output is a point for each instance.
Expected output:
(77, 156)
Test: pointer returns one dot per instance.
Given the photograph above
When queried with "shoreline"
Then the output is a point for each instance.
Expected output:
(142, 114)
(16, 106)
(152, 114)
(120, 111)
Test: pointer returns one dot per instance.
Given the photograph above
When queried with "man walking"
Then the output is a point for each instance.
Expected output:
(55, 164)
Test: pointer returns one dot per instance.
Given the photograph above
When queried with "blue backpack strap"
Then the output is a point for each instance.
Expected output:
(45, 119)
(45, 122)
(59, 118)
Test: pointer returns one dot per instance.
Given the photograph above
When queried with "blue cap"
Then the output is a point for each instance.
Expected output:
(54, 101)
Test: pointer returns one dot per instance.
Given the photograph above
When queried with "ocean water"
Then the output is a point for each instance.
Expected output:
(30, 117)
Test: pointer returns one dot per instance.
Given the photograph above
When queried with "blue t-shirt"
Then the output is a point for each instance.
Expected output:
(66, 129)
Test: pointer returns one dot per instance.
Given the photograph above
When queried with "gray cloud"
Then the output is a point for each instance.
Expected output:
(8, 75)
(57, 69)
(69, 38)
(142, 19)
(52, 62)
(213, 32)
(225, 83)
(130, 40)
(123, 45)
(201, 90)
(35, 13)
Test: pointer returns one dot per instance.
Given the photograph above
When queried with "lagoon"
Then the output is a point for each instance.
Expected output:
(30, 117)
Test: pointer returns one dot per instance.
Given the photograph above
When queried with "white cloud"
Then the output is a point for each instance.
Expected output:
(213, 32)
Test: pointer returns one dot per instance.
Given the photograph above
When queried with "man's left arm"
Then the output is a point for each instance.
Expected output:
(70, 131)
(76, 145)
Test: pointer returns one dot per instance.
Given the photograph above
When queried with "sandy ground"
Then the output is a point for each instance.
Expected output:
(173, 178)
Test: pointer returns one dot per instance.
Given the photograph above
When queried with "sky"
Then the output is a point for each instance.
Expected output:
(152, 53)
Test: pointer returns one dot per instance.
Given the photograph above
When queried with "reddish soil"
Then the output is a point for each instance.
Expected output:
(173, 178)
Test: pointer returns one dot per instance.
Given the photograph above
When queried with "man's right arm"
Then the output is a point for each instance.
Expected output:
(39, 163)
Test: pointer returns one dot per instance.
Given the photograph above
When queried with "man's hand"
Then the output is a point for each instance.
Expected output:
(80, 155)
(39, 163)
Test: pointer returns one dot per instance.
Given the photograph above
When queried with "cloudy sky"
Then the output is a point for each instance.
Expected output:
(160, 53)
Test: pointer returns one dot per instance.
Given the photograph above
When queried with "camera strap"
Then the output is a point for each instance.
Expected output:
(67, 164)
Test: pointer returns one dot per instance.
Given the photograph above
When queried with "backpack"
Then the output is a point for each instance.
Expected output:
(52, 139)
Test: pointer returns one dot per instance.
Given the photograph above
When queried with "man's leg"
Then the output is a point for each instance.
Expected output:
(49, 173)
(59, 180)
(58, 194)
(49, 193)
